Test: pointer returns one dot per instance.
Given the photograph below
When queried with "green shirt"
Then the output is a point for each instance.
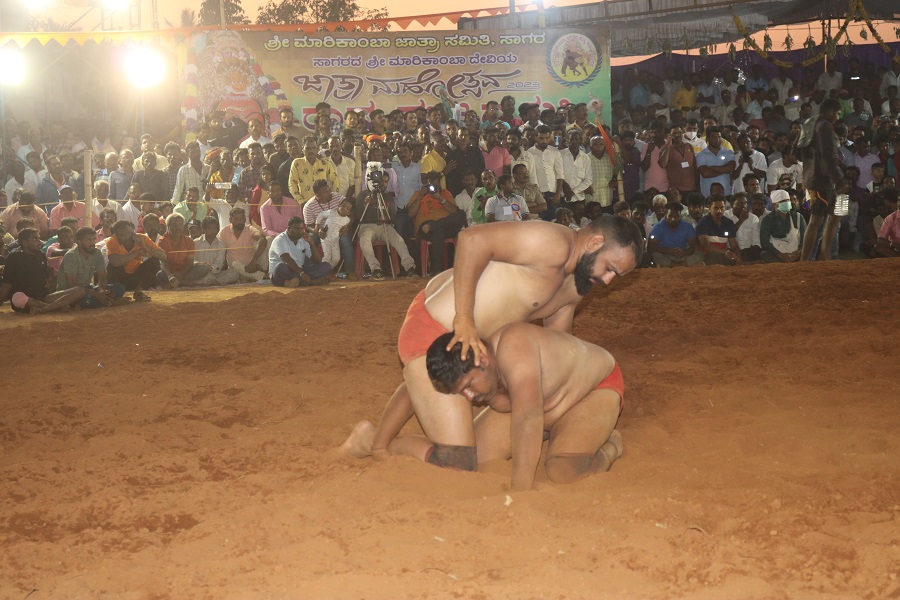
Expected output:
(478, 215)
(81, 266)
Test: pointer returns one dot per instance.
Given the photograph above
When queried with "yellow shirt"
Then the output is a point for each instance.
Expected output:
(304, 175)
(685, 98)
(435, 162)
(219, 177)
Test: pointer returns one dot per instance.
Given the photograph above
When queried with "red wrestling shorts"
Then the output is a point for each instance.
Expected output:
(418, 332)
(615, 382)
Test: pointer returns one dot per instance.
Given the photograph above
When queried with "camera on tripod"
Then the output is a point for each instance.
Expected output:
(376, 177)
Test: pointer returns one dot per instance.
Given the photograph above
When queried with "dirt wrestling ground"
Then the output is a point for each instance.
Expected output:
(184, 448)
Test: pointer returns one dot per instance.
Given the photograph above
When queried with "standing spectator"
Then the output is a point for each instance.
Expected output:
(469, 158)
(831, 79)
(344, 168)
(192, 174)
(47, 191)
(507, 112)
(277, 211)
(715, 164)
(147, 146)
(577, 170)
(678, 159)
(249, 178)
(517, 154)
(152, 180)
(308, 169)
(604, 171)
(409, 179)
(549, 174)
(782, 84)
(656, 178)
(254, 133)
(173, 157)
(283, 171)
(864, 160)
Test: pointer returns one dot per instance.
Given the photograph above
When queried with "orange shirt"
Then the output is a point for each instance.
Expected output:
(430, 209)
(177, 255)
(113, 246)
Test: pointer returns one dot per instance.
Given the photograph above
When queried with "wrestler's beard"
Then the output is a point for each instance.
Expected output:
(583, 269)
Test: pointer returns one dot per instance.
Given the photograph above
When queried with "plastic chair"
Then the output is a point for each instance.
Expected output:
(423, 253)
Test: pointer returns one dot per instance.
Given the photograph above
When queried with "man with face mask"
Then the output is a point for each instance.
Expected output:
(781, 232)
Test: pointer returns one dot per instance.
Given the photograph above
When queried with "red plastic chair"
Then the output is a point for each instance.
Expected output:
(379, 254)
(423, 253)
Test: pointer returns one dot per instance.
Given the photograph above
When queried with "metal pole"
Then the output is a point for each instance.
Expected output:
(88, 179)
(222, 14)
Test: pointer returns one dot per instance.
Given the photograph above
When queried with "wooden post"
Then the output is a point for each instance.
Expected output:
(88, 188)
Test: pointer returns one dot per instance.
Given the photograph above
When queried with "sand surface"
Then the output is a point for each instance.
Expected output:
(184, 448)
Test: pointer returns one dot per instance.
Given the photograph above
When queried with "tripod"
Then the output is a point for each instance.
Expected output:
(383, 218)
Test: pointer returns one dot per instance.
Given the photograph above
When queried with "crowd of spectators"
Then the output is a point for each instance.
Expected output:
(706, 163)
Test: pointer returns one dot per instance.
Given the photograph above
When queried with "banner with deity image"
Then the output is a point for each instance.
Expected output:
(256, 73)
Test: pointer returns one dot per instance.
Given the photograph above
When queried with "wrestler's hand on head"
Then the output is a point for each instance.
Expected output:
(464, 331)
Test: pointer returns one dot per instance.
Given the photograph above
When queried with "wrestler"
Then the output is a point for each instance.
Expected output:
(538, 384)
(506, 272)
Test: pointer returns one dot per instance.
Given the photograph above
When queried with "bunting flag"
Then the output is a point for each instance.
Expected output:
(80, 38)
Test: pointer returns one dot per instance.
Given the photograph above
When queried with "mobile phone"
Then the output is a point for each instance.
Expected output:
(432, 189)
(557, 140)
(223, 186)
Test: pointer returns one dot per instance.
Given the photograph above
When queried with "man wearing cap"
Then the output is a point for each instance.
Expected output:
(782, 231)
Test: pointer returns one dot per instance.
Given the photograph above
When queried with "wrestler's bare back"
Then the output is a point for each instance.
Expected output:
(570, 367)
(505, 294)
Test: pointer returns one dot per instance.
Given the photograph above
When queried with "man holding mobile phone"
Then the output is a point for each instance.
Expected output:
(436, 217)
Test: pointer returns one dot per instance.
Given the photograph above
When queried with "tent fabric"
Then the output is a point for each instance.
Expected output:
(680, 23)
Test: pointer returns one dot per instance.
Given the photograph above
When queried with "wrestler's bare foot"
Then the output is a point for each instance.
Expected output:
(359, 443)
(609, 452)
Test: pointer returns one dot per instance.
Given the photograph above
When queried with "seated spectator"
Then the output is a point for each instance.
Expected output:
(781, 231)
(192, 208)
(717, 236)
(84, 266)
(68, 206)
(294, 260)
(672, 242)
(24, 209)
(696, 209)
(108, 217)
(507, 205)
(57, 250)
(658, 214)
(134, 260)
(747, 225)
(786, 165)
(47, 191)
(178, 268)
(375, 225)
(465, 200)
(324, 199)
(437, 218)
(622, 209)
(565, 218)
(211, 252)
(531, 192)
(487, 191)
(888, 244)
(26, 276)
(245, 247)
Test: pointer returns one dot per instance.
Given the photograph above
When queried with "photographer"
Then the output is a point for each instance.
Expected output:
(748, 161)
(376, 210)
(436, 216)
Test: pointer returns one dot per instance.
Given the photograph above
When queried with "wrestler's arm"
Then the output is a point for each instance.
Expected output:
(562, 319)
(533, 244)
(398, 411)
(519, 360)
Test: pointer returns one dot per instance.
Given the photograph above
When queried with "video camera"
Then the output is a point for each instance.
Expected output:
(376, 178)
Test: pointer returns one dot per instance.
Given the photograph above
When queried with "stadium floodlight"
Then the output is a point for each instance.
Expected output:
(13, 70)
(36, 5)
(144, 67)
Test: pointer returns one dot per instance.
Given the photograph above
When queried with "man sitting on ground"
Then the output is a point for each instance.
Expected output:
(179, 268)
(717, 235)
(26, 279)
(133, 259)
(537, 384)
(673, 243)
(82, 266)
(294, 260)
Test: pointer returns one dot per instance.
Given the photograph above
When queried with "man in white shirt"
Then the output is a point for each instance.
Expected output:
(210, 250)
(254, 134)
(506, 205)
(548, 173)
(748, 161)
(830, 79)
(782, 84)
(890, 78)
(576, 168)
(747, 226)
(787, 164)
(465, 200)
